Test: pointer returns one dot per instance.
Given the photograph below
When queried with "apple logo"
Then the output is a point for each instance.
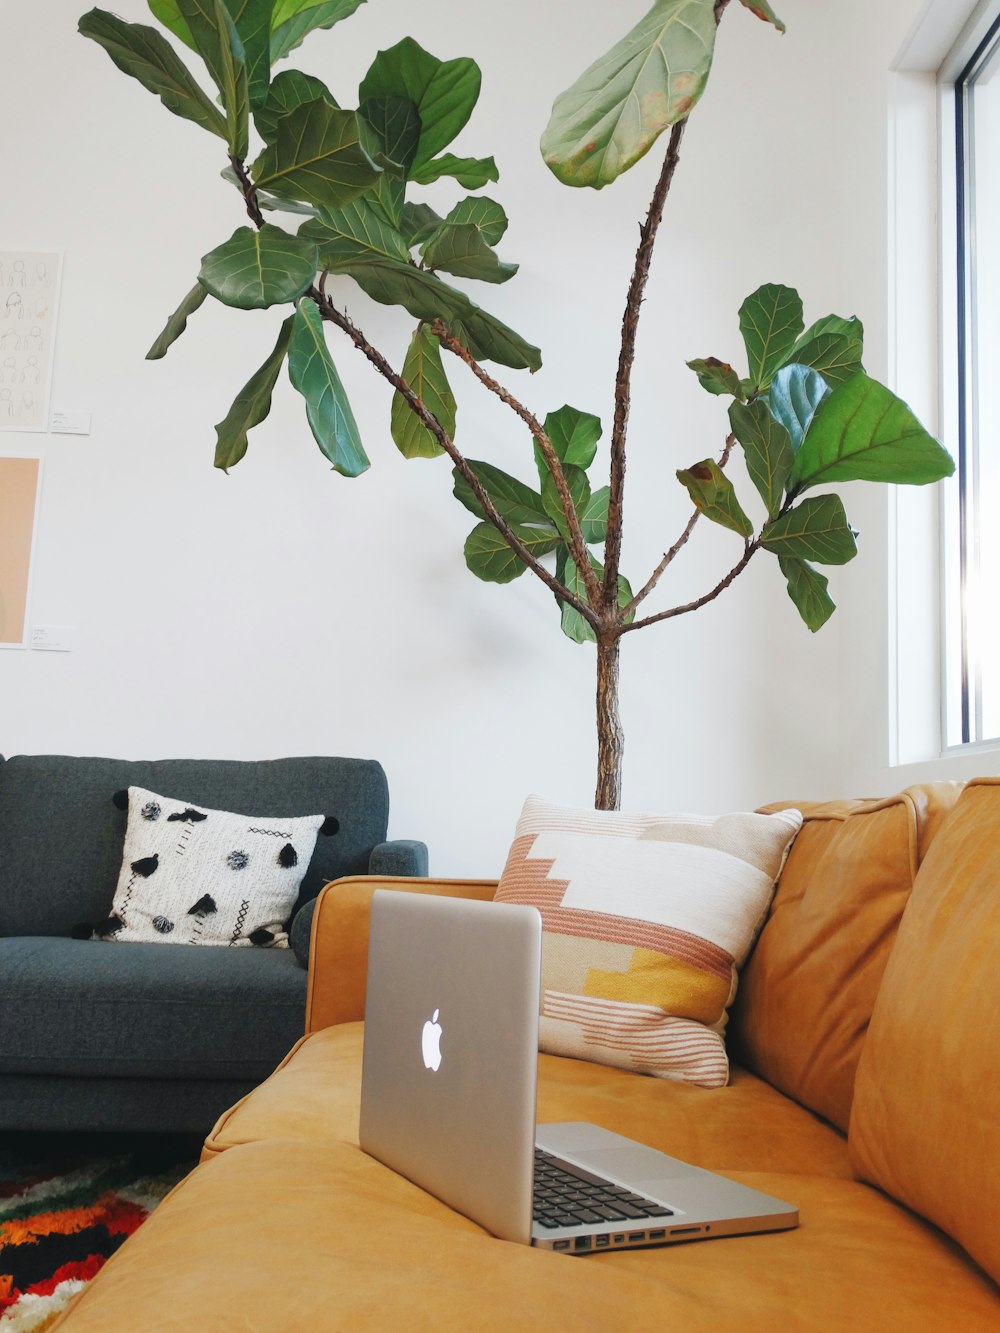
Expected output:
(430, 1043)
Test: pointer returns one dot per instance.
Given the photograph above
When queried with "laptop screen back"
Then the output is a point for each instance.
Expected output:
(451, 1052)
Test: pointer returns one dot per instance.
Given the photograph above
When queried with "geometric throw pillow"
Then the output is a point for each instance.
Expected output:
(645, 922)
(195, 876)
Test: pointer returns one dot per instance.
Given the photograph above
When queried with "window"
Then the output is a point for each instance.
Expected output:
(973, 649)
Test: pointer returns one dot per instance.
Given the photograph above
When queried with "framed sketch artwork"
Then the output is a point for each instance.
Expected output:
(29, 295)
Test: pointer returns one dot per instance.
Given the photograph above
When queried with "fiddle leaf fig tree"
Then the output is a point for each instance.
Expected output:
(333, 187)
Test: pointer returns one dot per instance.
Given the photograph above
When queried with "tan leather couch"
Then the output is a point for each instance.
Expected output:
(867, 1091)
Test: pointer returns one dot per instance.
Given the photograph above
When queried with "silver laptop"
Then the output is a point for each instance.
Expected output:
(448, 1095)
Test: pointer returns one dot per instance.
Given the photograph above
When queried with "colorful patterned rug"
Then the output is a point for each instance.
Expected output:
(67, 1202)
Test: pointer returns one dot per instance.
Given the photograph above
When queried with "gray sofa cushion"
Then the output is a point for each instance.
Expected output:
(61, 836)
(117, 1105)
(78, 1007)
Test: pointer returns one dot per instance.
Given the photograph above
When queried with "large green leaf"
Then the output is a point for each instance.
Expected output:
(482, 212)
(817, 529)
(312, 372)
(716, 376)
(491, 559)
(316, 155)
(424, 373)
(145, 55)
(618, 107)
(256, 269)
(443, 91)
(764, 11)
(225, 33)
(170, 16)
(252, 404)
(233, 84)
(177, 322)
(472, 173)
(390, 128)
(357, 233)
(770, 321)
(767, 448)
(426, 297)
(833, 346)
(579, 490)
(292, 20)
(574, 434)
(512, 499)
(714, 496)
(863, 432)
(459, 248)
(288, 91)
(211, 27)
(573, 625)
(389, 193)
(794, 398)
(807, 589)
(417, 222)
(594, 516)
(253, 24)
(462, 243)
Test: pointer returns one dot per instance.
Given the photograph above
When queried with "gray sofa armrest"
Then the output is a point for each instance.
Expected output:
(404, 857)
(300, 930)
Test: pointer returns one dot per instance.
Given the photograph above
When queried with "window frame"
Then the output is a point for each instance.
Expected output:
(975, 53)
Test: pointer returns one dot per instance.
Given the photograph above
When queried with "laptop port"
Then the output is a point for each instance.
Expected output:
(601, 1241)
(581, 1243)
(637, 1235)
(658, 1234)
(684, 1231)
(560, 1244)
(619, 1237)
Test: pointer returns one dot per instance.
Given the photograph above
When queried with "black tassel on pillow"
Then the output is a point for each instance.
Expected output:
(288, 856)
(261, 937)
(108, 927)
(120, 799)
(330, 826)
(146, 865)
(203, 907)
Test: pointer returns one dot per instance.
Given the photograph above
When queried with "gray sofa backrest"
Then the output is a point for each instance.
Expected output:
(61, 835)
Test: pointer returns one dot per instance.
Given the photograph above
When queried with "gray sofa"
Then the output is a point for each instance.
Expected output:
(157, 1037)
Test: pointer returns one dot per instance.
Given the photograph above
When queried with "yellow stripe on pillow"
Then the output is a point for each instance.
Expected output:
(673, 986)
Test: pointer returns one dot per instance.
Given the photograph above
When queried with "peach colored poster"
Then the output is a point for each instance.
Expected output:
(18, 506)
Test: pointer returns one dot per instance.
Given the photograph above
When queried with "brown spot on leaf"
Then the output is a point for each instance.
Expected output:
(701, 472)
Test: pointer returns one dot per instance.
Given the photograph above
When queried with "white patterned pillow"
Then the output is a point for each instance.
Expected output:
(645, 920)
(196, 876)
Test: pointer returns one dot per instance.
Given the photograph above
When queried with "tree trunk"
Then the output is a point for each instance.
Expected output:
(610, 737)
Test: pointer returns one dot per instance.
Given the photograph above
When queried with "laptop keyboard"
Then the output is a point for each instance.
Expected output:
(568, 1196)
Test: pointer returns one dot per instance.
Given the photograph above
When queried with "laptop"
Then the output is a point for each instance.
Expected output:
(448, 1095)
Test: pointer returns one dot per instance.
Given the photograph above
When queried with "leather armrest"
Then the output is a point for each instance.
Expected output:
(338, 947)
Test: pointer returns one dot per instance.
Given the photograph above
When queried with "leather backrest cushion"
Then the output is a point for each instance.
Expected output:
(807, 993)
(925, 1125)
(61, 836)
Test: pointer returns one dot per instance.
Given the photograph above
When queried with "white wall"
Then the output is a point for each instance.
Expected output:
(282, 609)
